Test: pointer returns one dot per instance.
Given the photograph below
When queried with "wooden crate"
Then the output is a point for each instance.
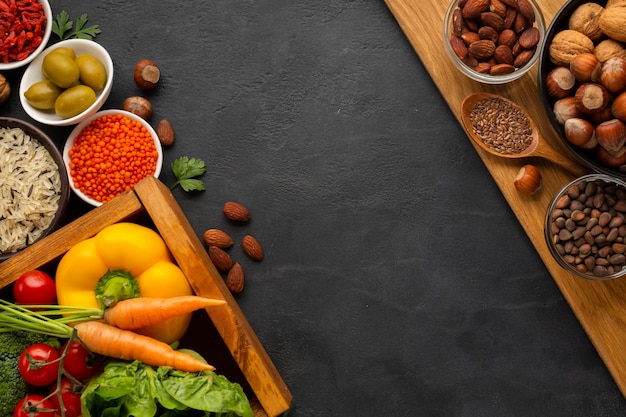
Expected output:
(224, 336)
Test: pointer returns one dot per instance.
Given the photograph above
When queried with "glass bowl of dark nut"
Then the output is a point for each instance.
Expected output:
(585, 227)
(493, 42)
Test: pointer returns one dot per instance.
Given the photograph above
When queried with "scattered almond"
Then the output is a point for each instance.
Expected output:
(165, 132)
(236, 212)
(219, 238)
(235, 279)
(222, 260)
(252, 247)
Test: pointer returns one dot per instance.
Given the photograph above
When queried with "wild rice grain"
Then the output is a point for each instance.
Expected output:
(501, 125)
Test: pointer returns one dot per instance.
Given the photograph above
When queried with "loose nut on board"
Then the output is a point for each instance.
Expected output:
(147, 74)
(5, 89)
(528, 180)
(235, 279)
(221, 260)
(216, 237)
(139, 106)
(252, 247)
(165, 132)
(236, 212)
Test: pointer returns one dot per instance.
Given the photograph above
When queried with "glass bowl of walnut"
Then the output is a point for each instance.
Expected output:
(493, 41)
(582, 81)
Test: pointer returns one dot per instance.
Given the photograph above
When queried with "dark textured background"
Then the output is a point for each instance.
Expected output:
(397, 281)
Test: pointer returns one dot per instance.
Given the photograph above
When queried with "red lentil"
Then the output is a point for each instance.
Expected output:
(22, 26)
(110, 155)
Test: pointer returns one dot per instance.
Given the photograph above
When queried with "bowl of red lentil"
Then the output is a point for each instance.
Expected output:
(108, 153)
(585, 227)
(33, 74)
(25, 29)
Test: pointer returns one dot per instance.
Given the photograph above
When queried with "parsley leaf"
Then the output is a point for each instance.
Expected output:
(186, 170)
(62, 27)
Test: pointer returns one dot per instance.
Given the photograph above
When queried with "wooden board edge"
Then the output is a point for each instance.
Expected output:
(192, 257)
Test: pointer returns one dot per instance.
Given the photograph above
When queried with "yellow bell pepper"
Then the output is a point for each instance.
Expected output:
(122, 248)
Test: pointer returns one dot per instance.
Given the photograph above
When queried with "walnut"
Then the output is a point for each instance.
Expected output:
(567, 44)
(609, 48)
(585, 20)
(615, 3)
(613, 20)
(5, 89)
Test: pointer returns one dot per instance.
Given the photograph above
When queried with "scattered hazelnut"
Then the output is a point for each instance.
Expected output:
(528, 180)
(139, 106)
(147, 74)
(5, 89)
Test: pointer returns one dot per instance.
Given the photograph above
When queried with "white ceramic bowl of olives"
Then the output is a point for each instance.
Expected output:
(67, 82)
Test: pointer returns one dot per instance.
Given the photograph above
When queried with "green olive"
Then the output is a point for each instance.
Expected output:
(92, 72)
(65, 51)
(42, 94)
(74, 100)
(60, 69)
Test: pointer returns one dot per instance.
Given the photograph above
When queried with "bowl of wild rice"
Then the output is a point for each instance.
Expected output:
(34, 189)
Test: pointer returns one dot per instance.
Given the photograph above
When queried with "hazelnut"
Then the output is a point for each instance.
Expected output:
(578, 131)
(618, 107)
(565, 108)
(560, 82)
(147, 74)
(5, 89)
(139, 106)
(613, 161)
(611, 136)
(528, 180)
(591, 98)
(586, 67)
(613, 74)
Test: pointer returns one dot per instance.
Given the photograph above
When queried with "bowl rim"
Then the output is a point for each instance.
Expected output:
(51, 147)
(540, 23)
(545, 65)
(44, 41)
(78, 128)
(101, 96)
(548, 219)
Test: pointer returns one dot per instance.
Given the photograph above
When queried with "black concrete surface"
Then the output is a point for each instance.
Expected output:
(396, 281)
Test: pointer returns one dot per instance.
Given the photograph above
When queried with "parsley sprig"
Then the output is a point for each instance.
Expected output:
(186, 170)
(62, 27)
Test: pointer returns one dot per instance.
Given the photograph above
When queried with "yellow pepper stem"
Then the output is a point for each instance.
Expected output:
(116, 285)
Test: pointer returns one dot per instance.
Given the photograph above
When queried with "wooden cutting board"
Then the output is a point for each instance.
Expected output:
(599, 306)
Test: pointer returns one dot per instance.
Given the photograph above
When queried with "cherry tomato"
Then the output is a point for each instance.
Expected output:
(34, 405)
(70, 396)
(79, 362)
(34, 287)
(39, 364)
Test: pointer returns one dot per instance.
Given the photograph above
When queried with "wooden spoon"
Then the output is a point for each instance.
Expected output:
(538, 148)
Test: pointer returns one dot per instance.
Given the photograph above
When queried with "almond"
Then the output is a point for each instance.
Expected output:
(503, 55)
(219, 238)
(236, 212)
(221, 260)
(252, 247)
(529, 38)
(457, 22)
(165, 132)
(501, 69)
(482, 49)
(235, 279)
(493, 20)
(507, 37)
(458, 46)
(523, 57)
(473, 8)
(526, 10)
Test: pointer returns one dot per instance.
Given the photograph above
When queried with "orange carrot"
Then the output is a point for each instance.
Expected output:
(136, 313)
(107, 340)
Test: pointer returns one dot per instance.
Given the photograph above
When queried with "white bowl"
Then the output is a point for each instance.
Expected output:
(44, 41)
(33, 74)
(76, 131)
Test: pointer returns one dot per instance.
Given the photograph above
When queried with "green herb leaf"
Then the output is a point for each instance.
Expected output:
(62, 27)
(186, 170)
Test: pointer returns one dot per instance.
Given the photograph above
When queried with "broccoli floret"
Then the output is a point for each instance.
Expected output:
(12, 387)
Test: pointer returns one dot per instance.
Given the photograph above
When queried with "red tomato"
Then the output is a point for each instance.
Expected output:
(79, 362)
(70, 396)
(39, 364)
(34, 405)
(34, 287)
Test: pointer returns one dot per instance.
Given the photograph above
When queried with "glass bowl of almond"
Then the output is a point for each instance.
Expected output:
(494, 41)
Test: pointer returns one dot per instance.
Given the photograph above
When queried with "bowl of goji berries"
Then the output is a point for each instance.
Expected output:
(108, 153)
(25, 28)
